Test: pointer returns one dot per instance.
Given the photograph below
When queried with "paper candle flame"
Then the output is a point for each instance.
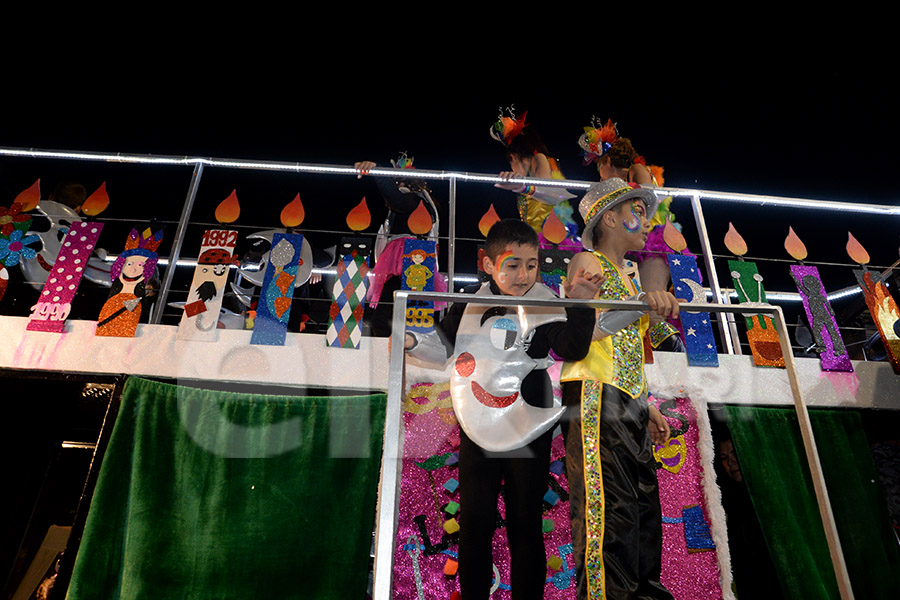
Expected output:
(488, 220)
(794, 245)
(856, 251)
(419, 220)
(29, 198)
(553, 229)
(734, 242)
(293, 214)
(229, 209)
(673, 237)
(359, 218)
(96, 202)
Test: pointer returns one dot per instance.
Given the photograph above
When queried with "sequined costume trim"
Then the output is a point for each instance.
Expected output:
(591, 397)
(659, 332)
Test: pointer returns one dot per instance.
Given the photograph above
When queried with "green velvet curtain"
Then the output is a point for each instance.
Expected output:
(773, 462)
(212, 495)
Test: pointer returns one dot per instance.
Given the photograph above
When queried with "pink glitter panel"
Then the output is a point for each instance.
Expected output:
(429, 507)
(689, 563)
(55, 300)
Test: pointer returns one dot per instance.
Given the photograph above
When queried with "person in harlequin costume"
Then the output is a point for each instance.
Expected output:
(503, 400)
(130, 273)
(615, 156)
(528, 157)
(610, 427)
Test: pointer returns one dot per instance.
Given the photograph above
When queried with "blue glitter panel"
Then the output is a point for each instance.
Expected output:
(277, 291)
(699, 341)
(419, 263)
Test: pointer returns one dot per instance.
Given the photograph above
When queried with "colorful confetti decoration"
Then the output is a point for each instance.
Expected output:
(276, 294)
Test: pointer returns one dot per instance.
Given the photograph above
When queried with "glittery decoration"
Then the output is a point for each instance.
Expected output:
(554, 266)
(423, 546)
(419, 267)
(277, 291)
(348, 302)
(136, 264)
(201, 312)
(55, 300)
(761, 331)
(591, 395)
(884, 312)
(829, 343)
(699, 341)
(627, 343)
(4, 280)
(689, 559)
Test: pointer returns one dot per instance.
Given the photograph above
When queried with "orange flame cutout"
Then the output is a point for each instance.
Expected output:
(553, 229)
(794, 245)
(229, 209)
(293, 214)
(488, 220)
(97, 202)
(856, 251)
(673, 237)
(30, 197)
(419, 220)
(359, 218)
(734, 242)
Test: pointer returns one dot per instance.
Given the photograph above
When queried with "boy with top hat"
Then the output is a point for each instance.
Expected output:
(610, 428)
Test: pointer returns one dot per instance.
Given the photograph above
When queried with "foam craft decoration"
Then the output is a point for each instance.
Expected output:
(345, 317)
(761, 333)
(823, 325)
(881, 304)
(136, 264)
(201, 312)
(15, 245)
(419, 268)
(277, 291)
(699, 340)
(55, 300)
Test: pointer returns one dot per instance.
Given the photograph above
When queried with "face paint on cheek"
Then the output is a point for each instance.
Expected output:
(634, 224)
(503, 258)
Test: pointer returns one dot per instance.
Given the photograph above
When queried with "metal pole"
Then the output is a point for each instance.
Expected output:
(176, 245)
(451, 243)
(386, 514)
(718, 296)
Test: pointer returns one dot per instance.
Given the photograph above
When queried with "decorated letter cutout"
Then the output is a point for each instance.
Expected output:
(55, 300)
(274, 308)
(201, 313)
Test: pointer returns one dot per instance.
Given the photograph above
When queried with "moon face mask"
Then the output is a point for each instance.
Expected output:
(489, 364)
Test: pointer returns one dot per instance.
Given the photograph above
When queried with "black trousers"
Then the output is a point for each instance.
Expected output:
(632, 536)
(524, 473)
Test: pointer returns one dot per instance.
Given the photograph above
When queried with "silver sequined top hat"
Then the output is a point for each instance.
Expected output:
(606, 194)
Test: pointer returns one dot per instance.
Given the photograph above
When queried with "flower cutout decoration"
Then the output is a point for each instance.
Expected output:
(15, 246)
(10, 216)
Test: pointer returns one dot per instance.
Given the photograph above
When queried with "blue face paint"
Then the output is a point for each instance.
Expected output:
(634, 225)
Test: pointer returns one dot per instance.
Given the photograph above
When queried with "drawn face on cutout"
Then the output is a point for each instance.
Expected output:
(133, 269)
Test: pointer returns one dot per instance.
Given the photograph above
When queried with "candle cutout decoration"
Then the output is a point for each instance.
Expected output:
(484, 226)
(761, 331)
(204, 302)
(55, 300)
(15, 245)
(554, 260)
(829, 344)
(273, 311)
(345, 316)
(699, 340)
(129, 273)
(418, 270)
(879, 300)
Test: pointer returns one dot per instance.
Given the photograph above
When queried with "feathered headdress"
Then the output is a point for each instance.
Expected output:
(595, 141)
(403, 162)
(139, 244)
(506, 128)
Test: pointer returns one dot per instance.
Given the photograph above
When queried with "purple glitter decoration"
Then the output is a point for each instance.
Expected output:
(830, 345)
